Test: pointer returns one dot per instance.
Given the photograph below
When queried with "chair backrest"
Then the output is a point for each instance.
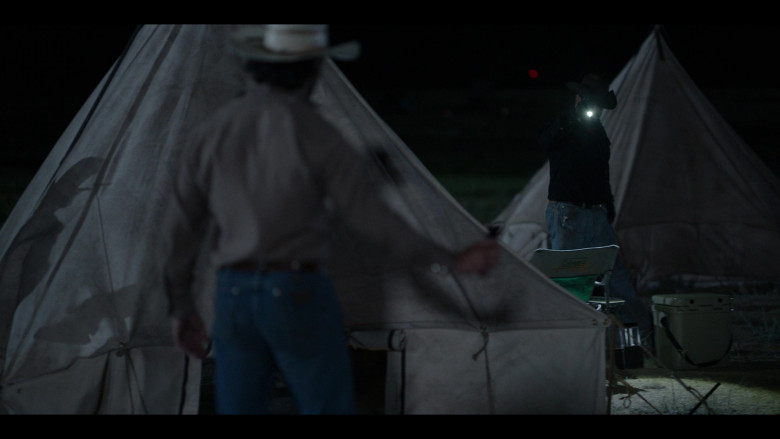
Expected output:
(577, 270)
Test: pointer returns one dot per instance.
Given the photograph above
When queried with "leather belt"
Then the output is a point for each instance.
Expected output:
(590, 206)
(271, 266)
(585, 205)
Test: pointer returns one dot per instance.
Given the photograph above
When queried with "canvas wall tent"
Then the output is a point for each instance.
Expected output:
(695, 205)
(84, 314)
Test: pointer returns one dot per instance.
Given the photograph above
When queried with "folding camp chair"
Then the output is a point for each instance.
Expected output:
(580, 271)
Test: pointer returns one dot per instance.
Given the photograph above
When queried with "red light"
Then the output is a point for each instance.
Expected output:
(533, 74)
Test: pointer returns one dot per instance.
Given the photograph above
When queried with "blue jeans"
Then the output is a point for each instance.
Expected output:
(285, 321)
(572, 227)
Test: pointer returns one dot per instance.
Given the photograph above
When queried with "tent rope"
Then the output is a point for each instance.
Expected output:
(118, 326)
(631, 390)
(102, 386)
(702, 400)
(132, 376)
(485, 340)
(489, 378)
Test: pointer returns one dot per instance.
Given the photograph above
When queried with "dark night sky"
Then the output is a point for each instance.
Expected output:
(448, 55)
(455, 55)
(50, 69)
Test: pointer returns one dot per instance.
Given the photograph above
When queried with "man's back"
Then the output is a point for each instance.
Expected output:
(248, 161)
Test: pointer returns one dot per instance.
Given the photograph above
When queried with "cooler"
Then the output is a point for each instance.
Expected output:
(692, 330)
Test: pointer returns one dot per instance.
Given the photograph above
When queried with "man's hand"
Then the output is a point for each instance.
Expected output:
(189, 335)
(479, 258)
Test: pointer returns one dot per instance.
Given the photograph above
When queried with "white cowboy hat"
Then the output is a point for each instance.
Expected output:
(289, 43)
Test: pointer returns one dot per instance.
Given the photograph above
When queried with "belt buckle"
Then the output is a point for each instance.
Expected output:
(295, 265)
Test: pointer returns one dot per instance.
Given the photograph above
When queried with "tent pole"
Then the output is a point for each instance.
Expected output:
(611, 363)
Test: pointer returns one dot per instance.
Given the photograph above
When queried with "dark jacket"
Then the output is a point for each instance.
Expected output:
(578, 152)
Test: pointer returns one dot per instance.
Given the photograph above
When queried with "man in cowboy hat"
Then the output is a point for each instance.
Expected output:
(267, 169)
(581, 209)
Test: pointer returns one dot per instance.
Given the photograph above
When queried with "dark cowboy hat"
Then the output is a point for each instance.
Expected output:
(594, 90)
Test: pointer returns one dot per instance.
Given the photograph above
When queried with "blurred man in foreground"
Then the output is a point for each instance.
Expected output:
(268, 170)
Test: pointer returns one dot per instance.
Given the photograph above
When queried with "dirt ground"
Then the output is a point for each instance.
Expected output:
(745, 382)
(740, 388)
